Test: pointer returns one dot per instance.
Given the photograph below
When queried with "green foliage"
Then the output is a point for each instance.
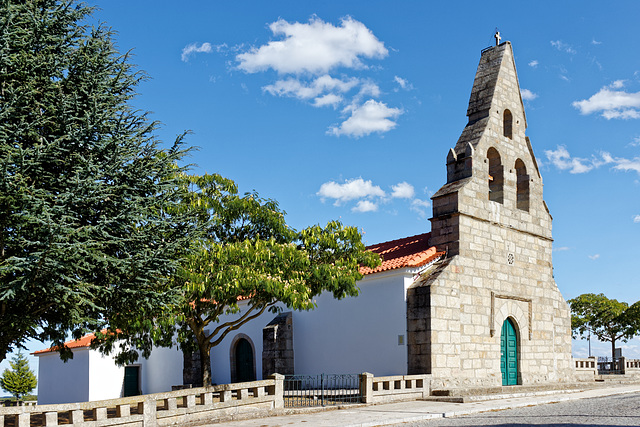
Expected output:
(89, 228)
(607, 319)
(248, 253)
(20, 380)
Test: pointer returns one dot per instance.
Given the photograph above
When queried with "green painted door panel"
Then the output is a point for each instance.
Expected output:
(131, 381)
(509, 354)
(244, 361)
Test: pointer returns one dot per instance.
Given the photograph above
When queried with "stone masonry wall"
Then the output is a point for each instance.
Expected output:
(500, 262)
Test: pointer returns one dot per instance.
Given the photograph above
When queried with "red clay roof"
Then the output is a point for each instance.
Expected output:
(413, 251)
(85, 341)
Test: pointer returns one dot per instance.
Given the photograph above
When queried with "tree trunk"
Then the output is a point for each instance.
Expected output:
(205, 363)
(613, 348)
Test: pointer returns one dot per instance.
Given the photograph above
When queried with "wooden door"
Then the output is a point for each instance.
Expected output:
(244, 361)
(509, 353)
(131, 381)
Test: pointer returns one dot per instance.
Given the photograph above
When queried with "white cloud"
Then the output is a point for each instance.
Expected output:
(403, 83)
(351, 189)
(403, 190)
(561, 248)
(365, 206)
(368, 88)
(594, 41)
(594, 257)
(617, 84)
(636, 219)
(636, 142)
(330, 99)
(627, 164)
(193, 48)
(527, 95)
(372, 116)
(561, 159)
(626, 114)
(369, 197)
(533, 63)
(319, 87)
(314, 47)
(612, 104)
(563, 47)
(420, 207)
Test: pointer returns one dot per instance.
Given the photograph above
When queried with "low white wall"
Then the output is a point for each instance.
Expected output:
(355, 335)
(60, 382)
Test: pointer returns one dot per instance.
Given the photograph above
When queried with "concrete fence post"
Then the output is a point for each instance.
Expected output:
(149, 418)
(278, 391)
(366, 387)
(24, 420)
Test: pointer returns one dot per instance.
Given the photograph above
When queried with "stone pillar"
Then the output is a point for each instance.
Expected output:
(191, 369)
(366, 387)
(419, 330)
(278, 390)
(149, 418)
(277, 346)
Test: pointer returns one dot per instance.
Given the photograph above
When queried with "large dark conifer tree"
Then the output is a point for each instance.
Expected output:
(88, 226)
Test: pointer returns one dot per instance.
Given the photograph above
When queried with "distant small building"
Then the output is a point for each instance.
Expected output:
(473, 302)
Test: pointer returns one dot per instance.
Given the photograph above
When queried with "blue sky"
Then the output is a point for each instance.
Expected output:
(346, 110)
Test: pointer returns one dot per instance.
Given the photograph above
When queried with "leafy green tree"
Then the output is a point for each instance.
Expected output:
(249, 253)
(607, 319)
(20, 380)
(89, 233)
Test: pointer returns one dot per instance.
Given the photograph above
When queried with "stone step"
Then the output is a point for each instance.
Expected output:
(502, 390)
(496, 393)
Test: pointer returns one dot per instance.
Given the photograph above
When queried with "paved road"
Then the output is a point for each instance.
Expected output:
(617, 410)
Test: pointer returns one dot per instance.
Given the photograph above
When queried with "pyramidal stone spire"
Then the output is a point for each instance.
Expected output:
(495, 84)
(492, 172)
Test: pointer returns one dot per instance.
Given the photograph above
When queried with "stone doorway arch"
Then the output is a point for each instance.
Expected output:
(243, 359)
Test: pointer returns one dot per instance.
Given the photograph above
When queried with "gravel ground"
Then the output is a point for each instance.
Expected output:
(618, 410)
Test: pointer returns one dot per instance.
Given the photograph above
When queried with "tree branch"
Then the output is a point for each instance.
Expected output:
(235, 325)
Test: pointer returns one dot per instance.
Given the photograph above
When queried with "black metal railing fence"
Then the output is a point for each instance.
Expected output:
(610, 365)
(321, 390)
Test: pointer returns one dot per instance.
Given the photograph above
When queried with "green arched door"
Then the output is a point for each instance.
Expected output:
(244, 361)
(509, 353)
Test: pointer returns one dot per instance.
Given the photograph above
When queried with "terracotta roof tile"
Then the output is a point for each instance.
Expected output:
(85, 341)
(413, 251)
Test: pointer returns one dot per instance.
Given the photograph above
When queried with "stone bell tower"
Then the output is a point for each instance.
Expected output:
(491, 313)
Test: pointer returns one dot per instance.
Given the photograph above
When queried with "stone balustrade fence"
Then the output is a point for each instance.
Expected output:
(631, 366)
(396, 387)
(220, 402)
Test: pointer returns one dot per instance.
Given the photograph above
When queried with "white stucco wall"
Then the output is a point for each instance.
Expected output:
(355, 335)
(105, 378)
(60, 382)
(351, 335)
(162, 370)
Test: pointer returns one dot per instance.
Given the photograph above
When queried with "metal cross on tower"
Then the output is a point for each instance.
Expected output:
(498, 38)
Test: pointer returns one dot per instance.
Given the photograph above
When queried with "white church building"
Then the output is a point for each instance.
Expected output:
(473, 302)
